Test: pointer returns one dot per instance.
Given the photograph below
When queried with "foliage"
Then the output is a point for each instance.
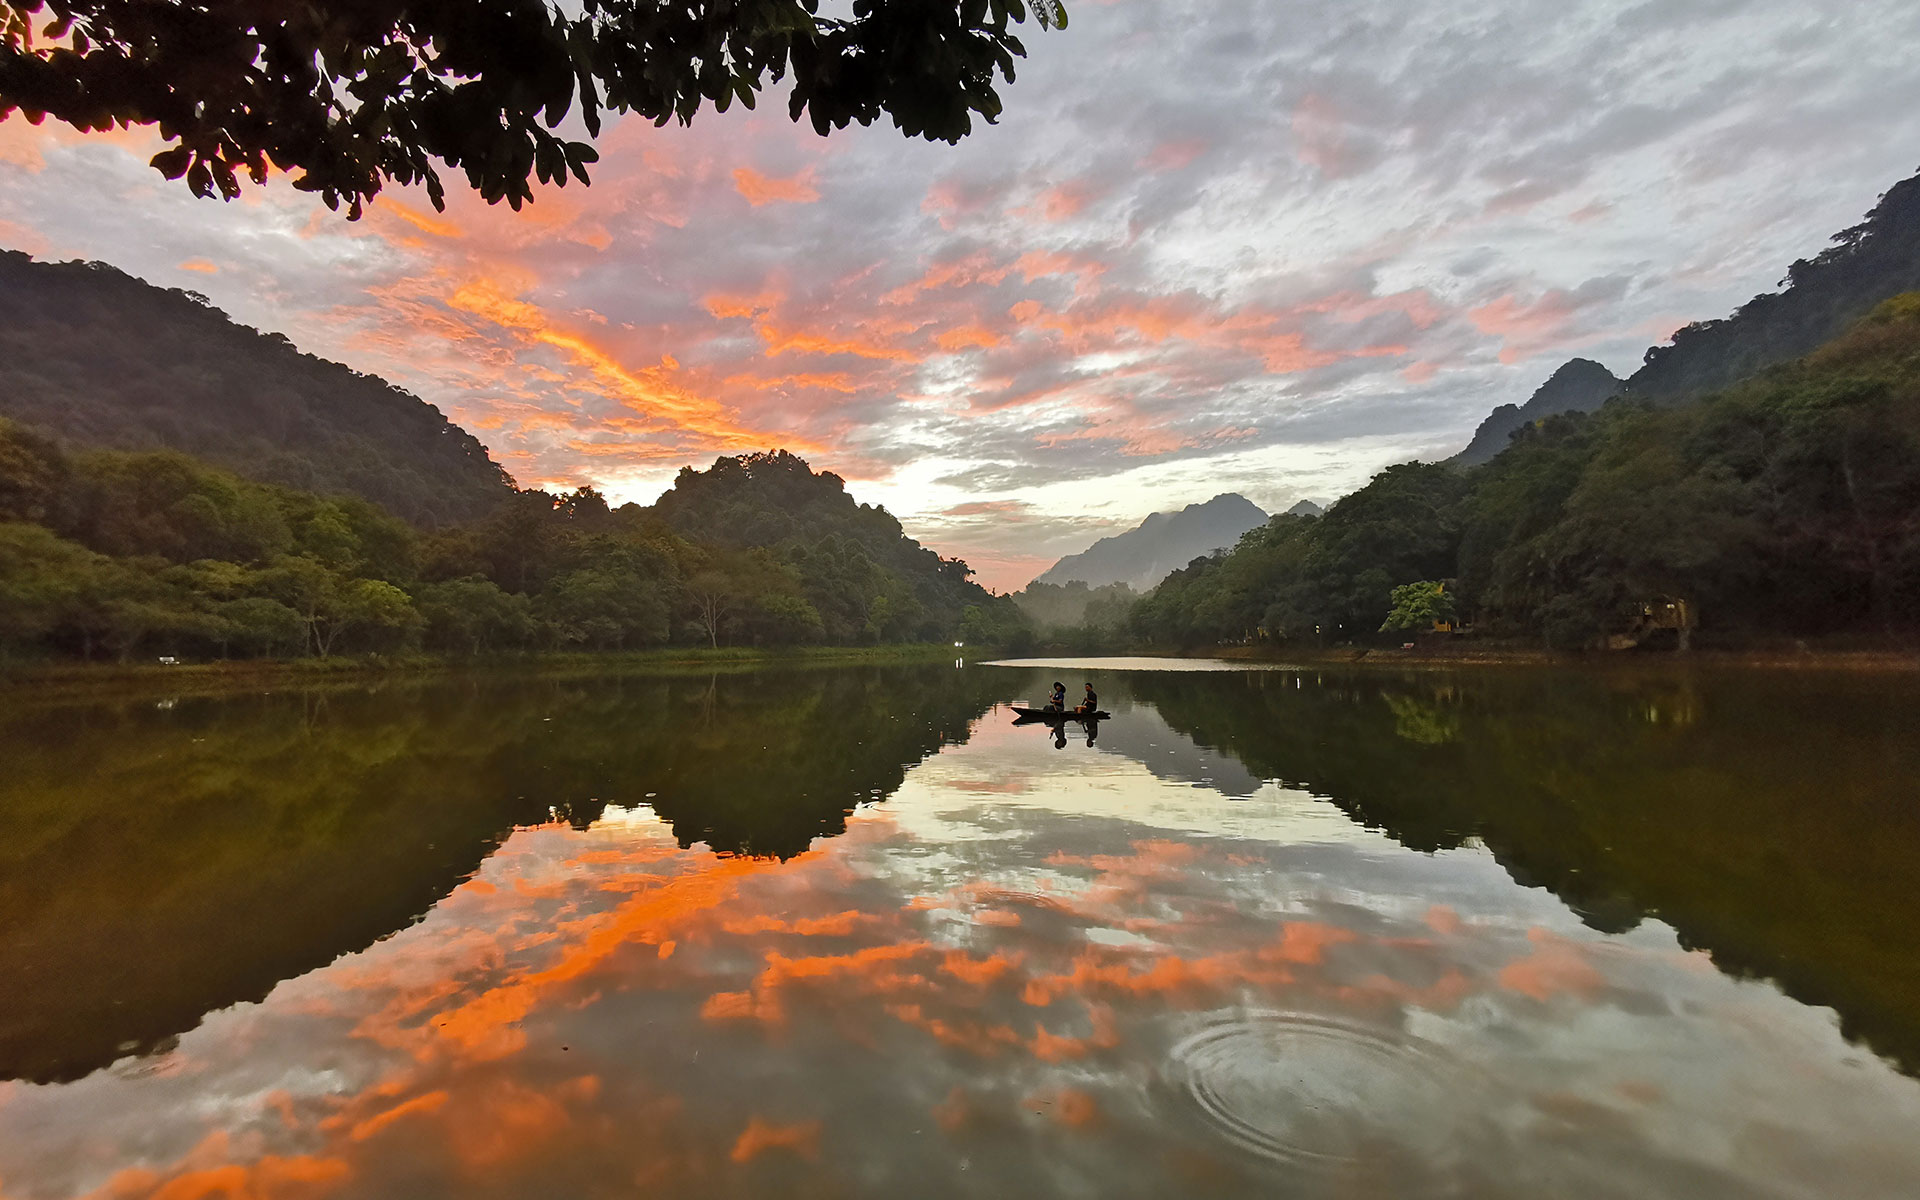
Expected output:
(1628, 796)
(156, 552)
(348, 96)
(101, 359)
(1076, 617)
(1821, 297)
(865, 579)
(1420, 605)
(1789, 505)
(131, 834)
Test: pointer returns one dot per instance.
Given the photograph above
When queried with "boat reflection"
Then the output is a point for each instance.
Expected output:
(1154, 968)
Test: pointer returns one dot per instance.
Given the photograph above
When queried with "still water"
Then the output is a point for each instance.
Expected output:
(851, 932)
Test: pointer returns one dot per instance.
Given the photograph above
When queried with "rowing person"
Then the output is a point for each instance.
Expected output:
(1090, 705)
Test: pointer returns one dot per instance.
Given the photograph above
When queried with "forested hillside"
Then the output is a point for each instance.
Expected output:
(1876, 259)
(1580, 385)
(1786, 506)
(865, 577)
(1871, 262)
(114, 553)
(104, 360)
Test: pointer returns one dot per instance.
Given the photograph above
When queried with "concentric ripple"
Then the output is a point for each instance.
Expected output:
(1321, 1094)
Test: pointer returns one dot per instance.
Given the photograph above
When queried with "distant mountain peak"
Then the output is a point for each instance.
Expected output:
(1579, 385)
(1164, 542)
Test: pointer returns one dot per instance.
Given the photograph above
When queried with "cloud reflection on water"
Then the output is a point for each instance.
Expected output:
(1029, 971)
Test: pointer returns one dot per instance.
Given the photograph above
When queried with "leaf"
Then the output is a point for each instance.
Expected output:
(172, 163)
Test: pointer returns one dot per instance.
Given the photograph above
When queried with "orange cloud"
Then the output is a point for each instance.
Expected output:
(767, 189)
(724, 306)
(976, 268)
(647, 391)
(761, 1136)
(1556, 966)
(200, 266)
(1070, 1106)
(1065, 200)
(272, 1176)
(967, 337)
(782, 340)
(437, 226)
(428, 1103)
(487, 1025)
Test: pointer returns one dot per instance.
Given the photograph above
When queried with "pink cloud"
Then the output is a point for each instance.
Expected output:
(767, 189)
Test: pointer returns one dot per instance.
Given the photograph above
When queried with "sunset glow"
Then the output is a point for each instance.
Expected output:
(1214, 262)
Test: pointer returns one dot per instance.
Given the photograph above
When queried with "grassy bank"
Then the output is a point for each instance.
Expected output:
(1814, 657)
(65, 677)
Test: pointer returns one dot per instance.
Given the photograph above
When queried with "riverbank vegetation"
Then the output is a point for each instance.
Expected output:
(122, 555)
(1785, 507)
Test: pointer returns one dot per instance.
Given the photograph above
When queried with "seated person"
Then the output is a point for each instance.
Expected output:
(1092, 702)
(1058, 701)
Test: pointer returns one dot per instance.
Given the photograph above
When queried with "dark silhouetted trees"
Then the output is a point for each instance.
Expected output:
(349, 96)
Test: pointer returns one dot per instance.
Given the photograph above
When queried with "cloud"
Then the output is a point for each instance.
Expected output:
(1294, 242)
(767, 189)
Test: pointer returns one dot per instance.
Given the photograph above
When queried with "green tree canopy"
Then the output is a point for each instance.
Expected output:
(1419, 605)
(349, 95)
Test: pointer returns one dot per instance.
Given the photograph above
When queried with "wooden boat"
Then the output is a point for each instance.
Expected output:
(1051, 716)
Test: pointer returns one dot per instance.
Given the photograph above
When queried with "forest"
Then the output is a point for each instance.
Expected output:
(1787, 506)
(102, 359)
(113, 554)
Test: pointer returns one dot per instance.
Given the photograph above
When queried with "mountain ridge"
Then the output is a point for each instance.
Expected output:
(1580, 385)
(1819, 299)
(102, 359)
(1144, 555)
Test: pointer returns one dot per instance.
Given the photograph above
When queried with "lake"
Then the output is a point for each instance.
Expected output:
(850, 931)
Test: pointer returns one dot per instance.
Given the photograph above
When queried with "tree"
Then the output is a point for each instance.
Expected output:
(42, 578)
(33, 475)
(376, 609)
(714, 596)
(605, 608)
(1419, 605)
(472, 615)
(347, 95)
(259, 626)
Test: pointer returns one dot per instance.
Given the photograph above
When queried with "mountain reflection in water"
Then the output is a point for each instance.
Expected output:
(1488, 935)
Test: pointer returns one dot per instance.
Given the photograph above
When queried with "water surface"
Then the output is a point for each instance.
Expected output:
(852, 932)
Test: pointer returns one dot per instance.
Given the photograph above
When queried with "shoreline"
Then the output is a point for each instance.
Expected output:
(58, 679)
(1808, 659)
(54, 679)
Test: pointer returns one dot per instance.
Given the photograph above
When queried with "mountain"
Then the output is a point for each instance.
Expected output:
(852, 562)
(102, 359)
(1782, 508)
(1821, 298)
(1582, 385)
(1146, 554)
(1306, 508)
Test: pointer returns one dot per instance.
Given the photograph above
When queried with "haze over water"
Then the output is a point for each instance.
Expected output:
(849, 931)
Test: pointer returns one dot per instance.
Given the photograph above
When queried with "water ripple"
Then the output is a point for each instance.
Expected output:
(1324, 1095)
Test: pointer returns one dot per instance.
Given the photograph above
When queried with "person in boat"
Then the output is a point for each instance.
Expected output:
(1058, 701)
(1091, 704)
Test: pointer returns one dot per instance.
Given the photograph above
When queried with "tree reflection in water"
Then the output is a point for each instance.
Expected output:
(1133, 971)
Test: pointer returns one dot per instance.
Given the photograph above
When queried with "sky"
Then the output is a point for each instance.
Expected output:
(1239, 246)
